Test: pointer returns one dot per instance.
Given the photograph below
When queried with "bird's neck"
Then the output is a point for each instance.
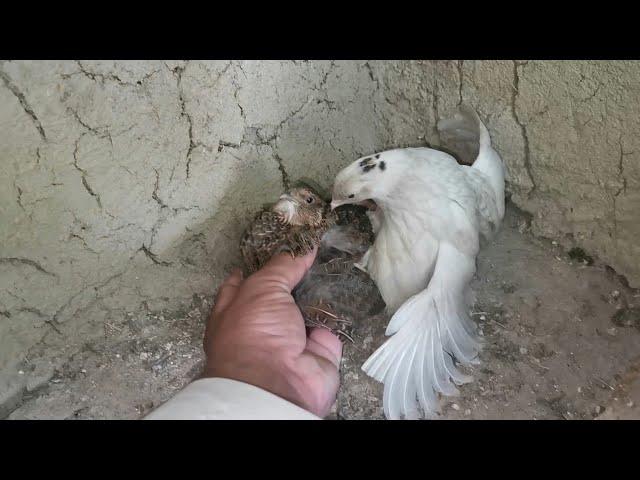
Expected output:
(408, 196)
(407, 209)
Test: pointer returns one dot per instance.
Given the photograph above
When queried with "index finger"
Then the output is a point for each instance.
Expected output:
(227, 291)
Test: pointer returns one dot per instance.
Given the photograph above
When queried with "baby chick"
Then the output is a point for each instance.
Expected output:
(334, 294)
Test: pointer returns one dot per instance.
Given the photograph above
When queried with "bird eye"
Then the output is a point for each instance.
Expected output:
(309, 199)
(352, 195)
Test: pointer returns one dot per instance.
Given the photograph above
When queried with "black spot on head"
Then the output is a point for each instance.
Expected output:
(352, 195)
(382, 165)
(369, 167)
(363, 162)
(377, 156)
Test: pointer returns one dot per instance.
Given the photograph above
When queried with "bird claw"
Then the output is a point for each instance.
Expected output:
(321, 316)
(344, 334)
(360, 267)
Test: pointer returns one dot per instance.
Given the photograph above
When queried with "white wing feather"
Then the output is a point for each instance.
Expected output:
(423, 260)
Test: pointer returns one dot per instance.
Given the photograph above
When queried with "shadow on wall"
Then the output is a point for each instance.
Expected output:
(214, 243)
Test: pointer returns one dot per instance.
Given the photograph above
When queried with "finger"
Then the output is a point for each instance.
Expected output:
(325, 344)
(228, 290)
(285, 270)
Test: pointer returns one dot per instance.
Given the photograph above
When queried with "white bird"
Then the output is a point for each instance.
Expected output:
(430, 218)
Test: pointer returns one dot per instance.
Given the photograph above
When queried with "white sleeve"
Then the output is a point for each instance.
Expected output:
(225, 399)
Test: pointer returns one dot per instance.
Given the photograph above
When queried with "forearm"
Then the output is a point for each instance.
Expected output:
(225, 399)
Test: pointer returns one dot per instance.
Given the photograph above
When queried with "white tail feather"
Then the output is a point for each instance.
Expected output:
(428, 332)
(466, 132)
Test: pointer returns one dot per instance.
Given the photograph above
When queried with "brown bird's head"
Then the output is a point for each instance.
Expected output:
(301, 206)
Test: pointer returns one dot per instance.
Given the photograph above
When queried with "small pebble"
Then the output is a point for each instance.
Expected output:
(554, 243)
(20, 372)
(144, 356)
(579, 389)
(117, 355)
(482, 317)
(83, 370)
(455, 406)
(630, 404)
(523, 351)
(598, 409)
(627, 317)
(467, 412)
(615, 294)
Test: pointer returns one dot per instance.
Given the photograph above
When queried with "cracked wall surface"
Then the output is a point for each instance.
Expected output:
(126, 185)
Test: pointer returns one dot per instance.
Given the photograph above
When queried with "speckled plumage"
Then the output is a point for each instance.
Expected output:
(334, 294)
(334, 284)
(269, 235)
(271, 232)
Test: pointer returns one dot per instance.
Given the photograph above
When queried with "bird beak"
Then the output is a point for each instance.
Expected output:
(336, 203)
(286, 207)
(287, 197)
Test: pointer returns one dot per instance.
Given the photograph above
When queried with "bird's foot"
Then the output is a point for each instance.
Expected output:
(336, 266)
(320, 315)
(361, 267)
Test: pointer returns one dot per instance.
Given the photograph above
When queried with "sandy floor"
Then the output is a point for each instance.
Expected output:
(562, 342)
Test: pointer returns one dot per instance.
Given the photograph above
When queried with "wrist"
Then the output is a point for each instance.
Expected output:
(263, 375)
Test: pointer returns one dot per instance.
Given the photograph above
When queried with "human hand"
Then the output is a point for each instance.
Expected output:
(256, 334)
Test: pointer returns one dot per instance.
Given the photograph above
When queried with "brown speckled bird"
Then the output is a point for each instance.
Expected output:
(334, 294)
(295, 224)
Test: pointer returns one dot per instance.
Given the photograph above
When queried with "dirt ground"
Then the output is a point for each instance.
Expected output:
(562, 341)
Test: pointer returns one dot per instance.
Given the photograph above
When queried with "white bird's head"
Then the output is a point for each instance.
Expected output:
(366, 179)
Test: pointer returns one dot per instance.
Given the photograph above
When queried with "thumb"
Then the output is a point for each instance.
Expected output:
(285, 270)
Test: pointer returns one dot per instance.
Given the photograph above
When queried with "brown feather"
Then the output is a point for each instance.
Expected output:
(333, 294)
